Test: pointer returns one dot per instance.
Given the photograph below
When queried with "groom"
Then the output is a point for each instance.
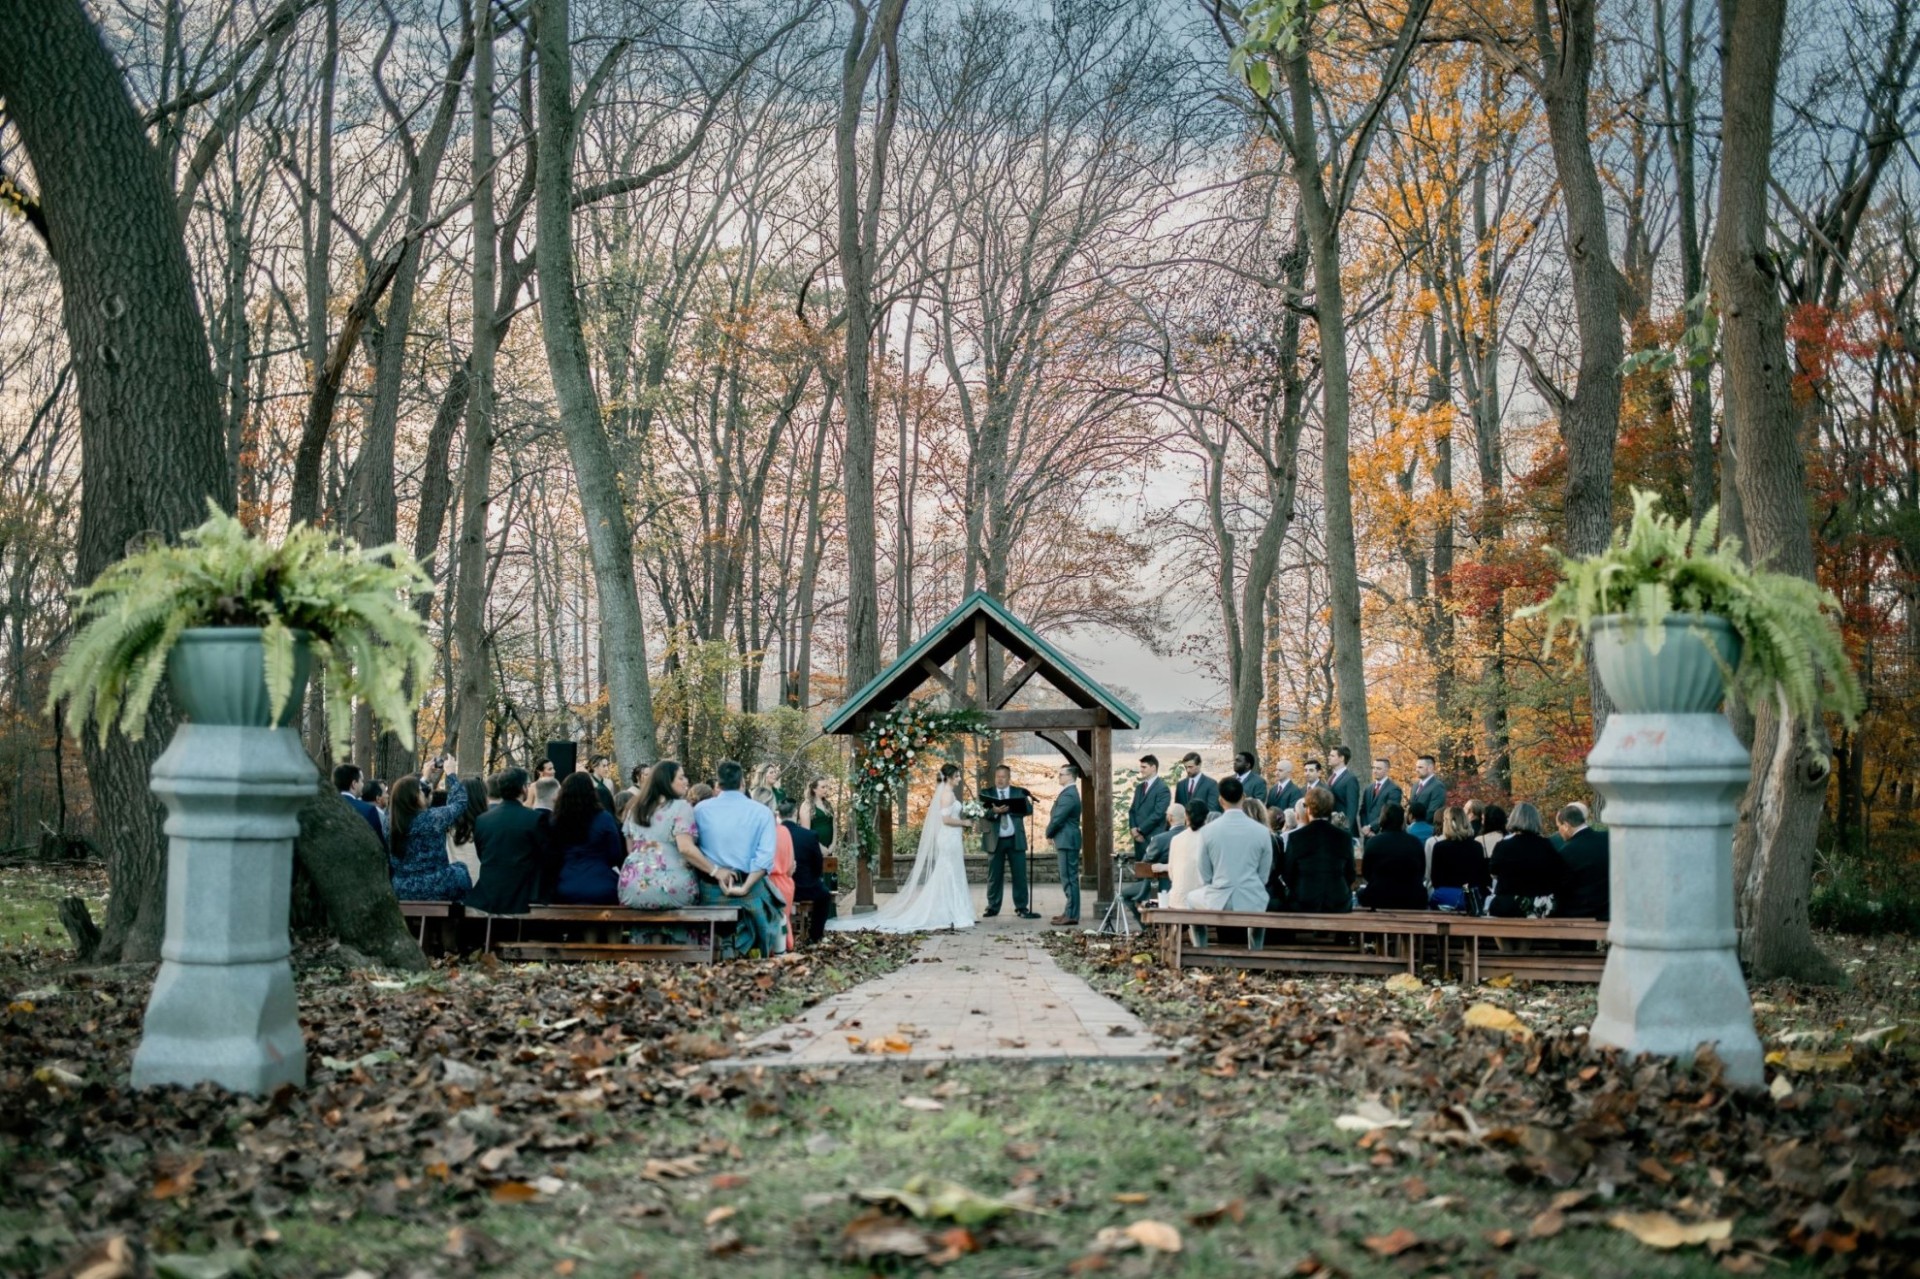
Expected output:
(1004, 838)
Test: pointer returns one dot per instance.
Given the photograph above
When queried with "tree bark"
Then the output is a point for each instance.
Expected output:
(1774, 844)
(348, 867)
(609, 527)
(153, 450)
(873, 37)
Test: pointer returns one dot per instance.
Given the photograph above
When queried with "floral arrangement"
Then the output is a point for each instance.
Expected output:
(885, 756)
(973, 810)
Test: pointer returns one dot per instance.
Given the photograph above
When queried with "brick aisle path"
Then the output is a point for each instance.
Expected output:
(991, 991)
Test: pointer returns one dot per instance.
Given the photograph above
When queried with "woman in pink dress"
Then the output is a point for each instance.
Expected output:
(782, 873)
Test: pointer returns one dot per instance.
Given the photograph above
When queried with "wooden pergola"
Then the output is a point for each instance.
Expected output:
(1083, 733)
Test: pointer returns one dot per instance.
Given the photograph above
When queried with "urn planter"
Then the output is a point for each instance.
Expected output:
(217, 675)
(1687, 674)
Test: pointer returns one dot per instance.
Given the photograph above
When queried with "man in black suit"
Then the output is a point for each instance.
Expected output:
(1283, 792)
(346, 780)
(1428, 790)
(597, 768)
(1196, 787)
(1147, 814)
(1252, 785)
(1346, 790)
(809, 871)
(1585, 890)
(512, 841)
(1005, 840)
(1383, 790)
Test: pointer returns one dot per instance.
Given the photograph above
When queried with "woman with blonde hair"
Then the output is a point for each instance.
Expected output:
(1457, 877)
(816, 811)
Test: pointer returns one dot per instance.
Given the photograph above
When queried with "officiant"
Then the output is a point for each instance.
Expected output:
(1003, 836)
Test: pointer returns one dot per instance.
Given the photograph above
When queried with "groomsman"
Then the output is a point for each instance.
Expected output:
(1063, 828)
(1285, 792)
(1373, 802)
(1314, 770)
(1004, 840)
(1147, 814)
(1428, 790)
(1252, 785)
(1346, 789)
(1196, 786)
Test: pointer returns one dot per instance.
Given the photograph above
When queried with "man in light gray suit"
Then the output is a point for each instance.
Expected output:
(1236, 857)
(1063, 828)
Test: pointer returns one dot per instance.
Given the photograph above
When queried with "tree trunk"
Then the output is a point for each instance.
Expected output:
(609, 528)
(337, 850)
(873, 36)
(153, 451)
(1774, 845)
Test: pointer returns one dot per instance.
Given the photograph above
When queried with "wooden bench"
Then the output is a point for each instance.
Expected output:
(1386, 941)
(596, 926)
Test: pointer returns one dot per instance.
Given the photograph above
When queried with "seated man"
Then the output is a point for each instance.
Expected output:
(737, 836)
(1141, 891)
(1236, 857)
(1585, 892)
(511, 840)
(809, 871)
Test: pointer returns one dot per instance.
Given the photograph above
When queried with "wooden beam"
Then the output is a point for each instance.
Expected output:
(982, 669)
(1097, 833)
(1016, 681)
(1066, 746)
(926, 664)
(1034, 721)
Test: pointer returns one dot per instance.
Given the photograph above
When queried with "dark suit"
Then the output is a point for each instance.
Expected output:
(1004, 849)
(1148, 812)
(1063, 828)
(371, 812)
(601, 789)
(1254, 786)
(1395, 867)
(1432, 793)
(1199, 788)
(1346, 799)
(1524, 866)
(1374, 800)
(1584, 891)
(809, 879)
(512, 841)
(1319, 868)
(1286, 796)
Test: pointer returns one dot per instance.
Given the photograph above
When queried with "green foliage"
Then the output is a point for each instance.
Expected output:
(1873, 890)
(1698, 342)
(1269, 29)
(1792, 650)
(353, 605)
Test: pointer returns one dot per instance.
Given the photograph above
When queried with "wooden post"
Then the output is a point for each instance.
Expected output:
(1100, 838)
(862, 876)
(885, 883)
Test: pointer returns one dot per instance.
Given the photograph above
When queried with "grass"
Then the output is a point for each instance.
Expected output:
(30, 899)
(779, 1181)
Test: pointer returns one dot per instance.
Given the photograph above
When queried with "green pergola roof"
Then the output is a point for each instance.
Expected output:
(955, 632)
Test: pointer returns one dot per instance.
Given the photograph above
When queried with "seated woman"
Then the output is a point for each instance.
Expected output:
(1526, 867)
(1183, 855)
(1457, 866)
(1394, 866)
(781, 876)
(417, 856)
(664, 864)
(1492, 828)
(1319, 860)
(586, 846)
(462, 844)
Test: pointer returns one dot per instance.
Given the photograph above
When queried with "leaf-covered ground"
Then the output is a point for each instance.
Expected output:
(492, 1120)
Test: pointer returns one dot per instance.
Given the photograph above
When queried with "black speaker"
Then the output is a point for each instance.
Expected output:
(565, 757)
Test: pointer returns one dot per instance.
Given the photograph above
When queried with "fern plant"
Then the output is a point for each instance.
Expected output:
(353, 605)
(1791, 650)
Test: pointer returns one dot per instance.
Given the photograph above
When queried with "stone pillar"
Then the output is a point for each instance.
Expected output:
(222, 1009)
(1673, 981)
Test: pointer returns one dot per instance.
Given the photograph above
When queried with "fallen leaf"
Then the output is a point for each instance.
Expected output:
(1393, 1243)
(1154, 1236)
(1547, 1224)
(1663, 1230)
(873, 1235)
(1234, 1210)
(1803, 1062)
(1405, 984)
(1502, 1239)
(514, 1192)
(1132, 1198)
(109, 1259)
(1493, 1017)
(720, 1214)
(1368, 1116)
(922, 1103)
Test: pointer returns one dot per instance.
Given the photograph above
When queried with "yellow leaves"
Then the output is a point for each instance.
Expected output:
(1497, 1019)
(879, 1045)
(1801, 1061)
(1405, 984)
(1152, 1236)
(1664, 1230)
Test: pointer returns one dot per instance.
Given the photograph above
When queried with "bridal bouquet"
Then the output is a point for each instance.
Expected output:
(973, 810)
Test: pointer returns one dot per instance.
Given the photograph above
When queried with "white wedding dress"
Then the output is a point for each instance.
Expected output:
(936, 895)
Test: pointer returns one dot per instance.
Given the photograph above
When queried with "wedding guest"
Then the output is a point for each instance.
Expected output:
(586, 846)
(546, 792)
(1428, 790)
(1476, 811)
(1380, 792)
(417, 857)
(1195, 784)
(1527, 869)
(460, 840)
(543, 769)
(598, 767)
(816, 811)
(1584, 850)
(1345, 788)
(1417, 824)
(1283, 790)
(1319, 860)
(1143, 889)
(1493, 827)
(737, 836)
(1236, 857)
(767, 779)
(781, 876)
(1183, 856)
(1457, 875)
(511, 839)
(1063, 829)
(346, 780)
(1394, 866)
(380, 795)
(809, 871)
(663, 860)
(700, 794)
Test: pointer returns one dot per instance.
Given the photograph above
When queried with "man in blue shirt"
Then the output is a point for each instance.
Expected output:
(736, 835)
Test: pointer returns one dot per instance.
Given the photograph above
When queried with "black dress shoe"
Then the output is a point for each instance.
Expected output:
(1028, 914)
(988, 914)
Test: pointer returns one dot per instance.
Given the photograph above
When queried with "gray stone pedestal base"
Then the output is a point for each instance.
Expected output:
(222, 1009)
(1673, 981)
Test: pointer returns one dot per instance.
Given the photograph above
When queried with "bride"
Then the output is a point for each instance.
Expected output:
(937, 895)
